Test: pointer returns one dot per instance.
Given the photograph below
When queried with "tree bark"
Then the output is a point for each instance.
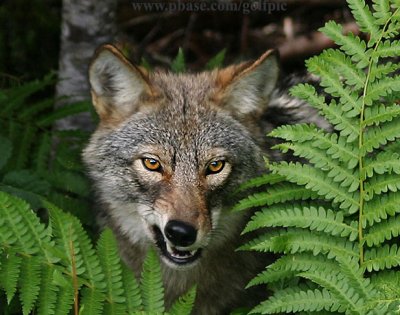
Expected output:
(85, 25)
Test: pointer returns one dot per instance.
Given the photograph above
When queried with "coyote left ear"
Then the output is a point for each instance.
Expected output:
(245, 88)
(117, 85)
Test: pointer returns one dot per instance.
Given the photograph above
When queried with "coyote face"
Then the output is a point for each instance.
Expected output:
(171, 149)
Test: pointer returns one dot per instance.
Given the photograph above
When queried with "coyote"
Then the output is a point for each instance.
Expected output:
(167, 158)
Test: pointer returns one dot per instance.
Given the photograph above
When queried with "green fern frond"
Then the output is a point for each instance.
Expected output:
(184, 305)
(48, 292)
(296, 300)
(92, 302)
(65, 294)
(29, 283)
(388, 48)
(382, 88)
(352, 45)
(339, 288)
(355, 169)
(320, 160)
(216, 61)
(380, 135)
(151, 284)
(318, 219)
(42, 157)
(5, 149)
(9, 274)
(354, 275)
(353, 76)
(381, 258)
(290, 265)
(179, 64)
(21, 228)
(385, 230)
(276, 194)
(332, 83)
(110, 264)
(365, 19)
(381, 11)
(266, 179)
(335, 146)
(315, 180)
(332, 112)
(62, 112)
(384, 183)
(379, 71)
(133, 298)
(298, 241)
(380, 114)
(381, 208)
(16, 97)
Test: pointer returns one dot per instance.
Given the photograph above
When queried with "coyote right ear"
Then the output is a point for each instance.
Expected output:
(117, 85)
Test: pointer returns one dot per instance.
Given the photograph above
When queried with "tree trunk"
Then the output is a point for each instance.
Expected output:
(85, 25)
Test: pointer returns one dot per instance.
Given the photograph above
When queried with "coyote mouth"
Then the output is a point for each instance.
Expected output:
(179, 257)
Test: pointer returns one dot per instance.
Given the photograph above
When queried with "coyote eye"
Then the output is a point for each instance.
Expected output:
(215, 167)
(151, 164)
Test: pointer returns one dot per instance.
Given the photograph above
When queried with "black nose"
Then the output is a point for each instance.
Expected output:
(180, 233)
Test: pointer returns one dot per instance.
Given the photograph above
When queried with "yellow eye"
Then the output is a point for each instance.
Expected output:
(215, 167)
(152, 164)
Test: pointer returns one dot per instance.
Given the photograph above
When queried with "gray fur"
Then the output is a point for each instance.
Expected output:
(184, 128)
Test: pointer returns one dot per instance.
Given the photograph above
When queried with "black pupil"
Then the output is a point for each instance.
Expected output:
(152, 161)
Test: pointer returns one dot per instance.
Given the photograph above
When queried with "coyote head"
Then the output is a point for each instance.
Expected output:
(171, 149)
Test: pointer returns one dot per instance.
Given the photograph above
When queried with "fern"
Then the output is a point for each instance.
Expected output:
(55, 268)
(337, 233)
(32, 164)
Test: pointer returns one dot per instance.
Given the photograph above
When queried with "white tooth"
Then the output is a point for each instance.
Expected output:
(169, 249)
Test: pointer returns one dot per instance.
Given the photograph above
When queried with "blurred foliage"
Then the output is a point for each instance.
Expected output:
(29, 39)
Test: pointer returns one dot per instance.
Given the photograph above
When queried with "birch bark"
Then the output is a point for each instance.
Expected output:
(86, 24)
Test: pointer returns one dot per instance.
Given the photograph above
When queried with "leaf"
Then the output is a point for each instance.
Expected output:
(333, 113)
(295, 300)
(350, 44)
(276, 194)
(216, 61)
(151, 284)
(335, 146)
(132, 290)
(6, 150)
(111, 266)
(364, 18)
(339, 288)
(386, 230)
(320, 219)
(92, 301)
(332, 83)
(333, 169)
(315, 180)
(381, 258)
(178, 65)
(29, 283)
(9, 274)
(184, 305)
(288, 266)
(48, 292)
(299, 241)
(64, 111)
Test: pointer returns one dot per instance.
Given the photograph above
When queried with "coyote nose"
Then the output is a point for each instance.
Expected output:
(180, 233)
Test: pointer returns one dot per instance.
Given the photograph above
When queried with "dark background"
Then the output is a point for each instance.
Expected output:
(30, 34)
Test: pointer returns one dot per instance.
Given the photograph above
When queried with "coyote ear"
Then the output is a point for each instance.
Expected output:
(117, 85)
(246, 87)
